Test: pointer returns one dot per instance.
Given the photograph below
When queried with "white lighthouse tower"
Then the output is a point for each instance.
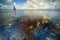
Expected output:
(14, 8)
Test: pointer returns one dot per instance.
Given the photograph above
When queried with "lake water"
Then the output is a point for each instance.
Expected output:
(12, 32)
(8, 14)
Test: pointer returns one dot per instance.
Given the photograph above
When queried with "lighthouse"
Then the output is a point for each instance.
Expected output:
(14, 8)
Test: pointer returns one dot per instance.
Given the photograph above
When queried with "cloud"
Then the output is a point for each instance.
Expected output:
(9, 0)
(6, 7)
(38, 4)
(42, 4)
(6, 2)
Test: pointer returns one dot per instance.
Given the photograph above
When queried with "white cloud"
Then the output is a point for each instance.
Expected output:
(37, 4)
(5, 2)
(7, 7)
(9, 0)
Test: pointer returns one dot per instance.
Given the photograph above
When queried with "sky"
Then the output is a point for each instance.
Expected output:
(31, 4)
(5, 2)
(12, 1)
(20, 1)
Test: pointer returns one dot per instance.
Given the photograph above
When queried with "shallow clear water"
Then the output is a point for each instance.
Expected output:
(12, 32)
